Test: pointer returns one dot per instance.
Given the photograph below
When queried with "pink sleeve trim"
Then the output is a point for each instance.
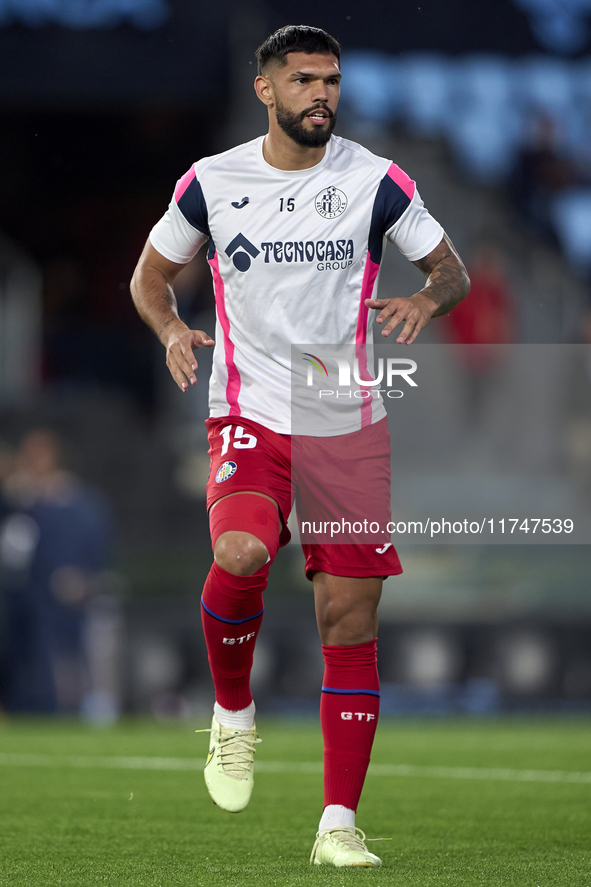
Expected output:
(183, 184)
(369, 278)
(234, 381)
(402, 180)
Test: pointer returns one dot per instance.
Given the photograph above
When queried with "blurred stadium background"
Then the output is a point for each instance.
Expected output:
(103, 535)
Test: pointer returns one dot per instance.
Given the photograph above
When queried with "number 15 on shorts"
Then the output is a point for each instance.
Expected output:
(242, 440)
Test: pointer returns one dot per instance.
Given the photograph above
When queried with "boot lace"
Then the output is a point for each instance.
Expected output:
(237, 754)
(236, 751)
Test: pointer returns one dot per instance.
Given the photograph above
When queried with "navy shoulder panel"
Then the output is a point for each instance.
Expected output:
(392, 200)
(191, 202)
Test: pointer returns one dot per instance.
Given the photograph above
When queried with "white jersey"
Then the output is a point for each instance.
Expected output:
(294, 254)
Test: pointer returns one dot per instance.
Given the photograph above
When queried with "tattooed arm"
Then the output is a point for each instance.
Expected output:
(447, 278)
(154, 298)
(447, 284)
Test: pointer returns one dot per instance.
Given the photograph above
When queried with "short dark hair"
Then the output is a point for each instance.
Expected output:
(295, 38)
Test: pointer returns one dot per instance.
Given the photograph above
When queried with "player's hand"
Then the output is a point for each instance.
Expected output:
(180, 360)
(415, 313)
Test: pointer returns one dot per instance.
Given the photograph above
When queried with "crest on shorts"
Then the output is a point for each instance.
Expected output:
(331, 203)
(225, 471)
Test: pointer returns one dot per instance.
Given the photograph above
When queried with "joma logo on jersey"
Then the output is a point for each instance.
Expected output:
(360, 715)
(242, 640)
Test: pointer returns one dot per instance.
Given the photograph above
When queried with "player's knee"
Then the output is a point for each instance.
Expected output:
(240, 553)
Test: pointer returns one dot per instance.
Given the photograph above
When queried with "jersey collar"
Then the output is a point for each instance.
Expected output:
(293, 173)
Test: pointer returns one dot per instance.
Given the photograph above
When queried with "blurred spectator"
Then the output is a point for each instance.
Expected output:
(54, 546)
(20, 325)
(6, 461)
(486, 318)
(542, 170)
(89, 333)
(6, 467)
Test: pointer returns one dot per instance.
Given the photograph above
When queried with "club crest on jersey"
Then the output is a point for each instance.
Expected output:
(225, 471)
(331, 203)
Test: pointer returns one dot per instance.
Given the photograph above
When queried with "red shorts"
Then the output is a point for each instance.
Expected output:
(341, 487)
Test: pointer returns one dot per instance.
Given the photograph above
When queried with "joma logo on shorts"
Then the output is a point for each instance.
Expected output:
(360, 715)
(245, 637)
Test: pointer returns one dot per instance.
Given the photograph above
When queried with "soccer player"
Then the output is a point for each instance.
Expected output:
(295, 222)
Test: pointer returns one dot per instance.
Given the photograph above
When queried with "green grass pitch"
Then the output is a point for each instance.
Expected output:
(500, 802)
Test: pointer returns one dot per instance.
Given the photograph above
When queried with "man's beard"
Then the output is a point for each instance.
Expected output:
(292, 124)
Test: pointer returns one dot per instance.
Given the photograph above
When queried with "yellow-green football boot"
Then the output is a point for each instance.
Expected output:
(343, 847)
(229, 766)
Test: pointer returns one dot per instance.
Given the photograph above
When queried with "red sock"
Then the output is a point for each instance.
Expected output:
(349, 708)
(232, 613)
